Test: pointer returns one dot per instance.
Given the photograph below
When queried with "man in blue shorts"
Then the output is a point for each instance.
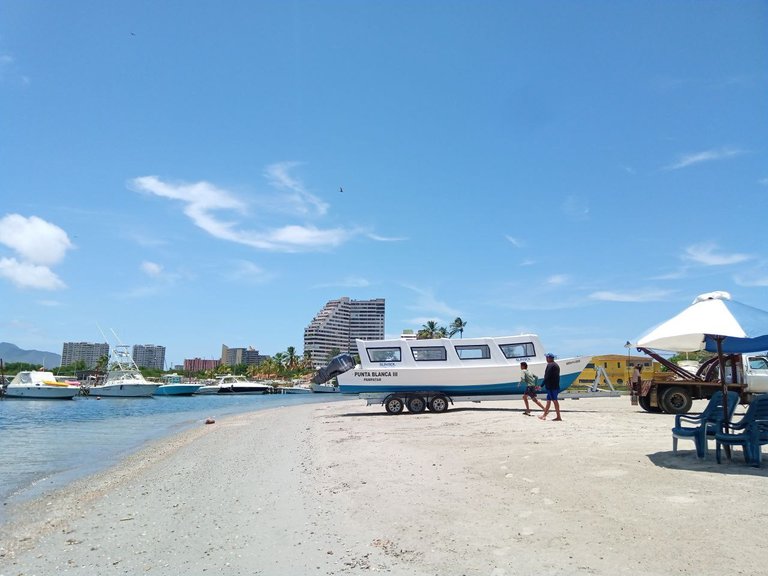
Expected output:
(552, 386)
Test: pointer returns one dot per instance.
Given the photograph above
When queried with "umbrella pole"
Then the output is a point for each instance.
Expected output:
(721, 361)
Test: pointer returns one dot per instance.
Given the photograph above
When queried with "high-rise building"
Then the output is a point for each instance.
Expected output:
(234, 356)
(149, 356)
(85, 351)
(339, 323)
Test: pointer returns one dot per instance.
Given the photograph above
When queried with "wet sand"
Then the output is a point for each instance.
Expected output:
(344, 488)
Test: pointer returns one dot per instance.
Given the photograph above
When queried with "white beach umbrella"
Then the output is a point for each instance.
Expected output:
(715, 323)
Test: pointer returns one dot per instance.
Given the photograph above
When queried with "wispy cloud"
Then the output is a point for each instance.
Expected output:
(246, 271)
(204, 204)
(428, 306)
(557, 280)
(514, 241)
(708, 254)
(386, 238)
(151, 269)
(575, 208)
(38, 245)
(763, 181)
(346, 282)
(694, 158)
(631, 296)
(280, 177)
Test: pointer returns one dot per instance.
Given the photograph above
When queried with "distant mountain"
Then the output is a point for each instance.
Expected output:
(12, 353)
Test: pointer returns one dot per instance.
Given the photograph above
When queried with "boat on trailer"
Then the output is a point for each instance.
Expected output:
(421, 374)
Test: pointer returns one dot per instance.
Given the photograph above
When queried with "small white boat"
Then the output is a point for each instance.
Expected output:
(124, 379)
(466, 367)
(324, 388)
(235, 384)
(173, 385)
(40, 384)
(295, 389)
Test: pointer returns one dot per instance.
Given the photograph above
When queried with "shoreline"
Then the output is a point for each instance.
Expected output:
(346, 488)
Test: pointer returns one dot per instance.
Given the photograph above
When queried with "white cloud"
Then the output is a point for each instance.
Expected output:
(204, 201)
(34, 239)
(38, 245)
(706, 156)
(638, 296)
(514, 241)
(29, 275)
(151, 269)
(707, 255)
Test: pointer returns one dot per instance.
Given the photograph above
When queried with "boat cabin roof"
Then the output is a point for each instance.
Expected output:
(441, 351)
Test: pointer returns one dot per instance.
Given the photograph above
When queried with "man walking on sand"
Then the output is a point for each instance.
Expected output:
(552, 385)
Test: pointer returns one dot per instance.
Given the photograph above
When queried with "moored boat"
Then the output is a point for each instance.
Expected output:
(123, 379)
(235, 384)
(40, 384)
(173, 385)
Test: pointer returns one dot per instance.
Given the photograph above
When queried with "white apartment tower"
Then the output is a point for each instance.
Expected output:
(149, 356)
(85, 351)
(338, 324)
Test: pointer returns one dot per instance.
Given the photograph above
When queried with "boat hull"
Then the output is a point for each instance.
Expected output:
(177, 389)
(42, 392)
(123, 390)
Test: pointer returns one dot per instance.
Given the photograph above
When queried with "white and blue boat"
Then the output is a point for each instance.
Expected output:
(473, 368)
(174, 385)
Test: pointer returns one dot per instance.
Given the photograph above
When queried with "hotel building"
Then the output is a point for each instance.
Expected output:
(149, 356)
(85, 351)
(339, 323)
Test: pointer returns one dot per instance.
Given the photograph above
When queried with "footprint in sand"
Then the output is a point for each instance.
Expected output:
(610, 473)
(680, 499)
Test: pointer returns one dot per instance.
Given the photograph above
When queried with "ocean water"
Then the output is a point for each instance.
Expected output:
(47, 443)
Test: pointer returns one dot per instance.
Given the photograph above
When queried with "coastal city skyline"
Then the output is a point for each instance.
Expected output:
(190, 175)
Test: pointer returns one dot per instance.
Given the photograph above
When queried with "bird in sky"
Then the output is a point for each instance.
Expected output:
(341, 189)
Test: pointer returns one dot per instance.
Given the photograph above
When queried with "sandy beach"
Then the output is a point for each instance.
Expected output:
(344, 488)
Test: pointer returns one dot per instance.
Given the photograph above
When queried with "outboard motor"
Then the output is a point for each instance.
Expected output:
(338, 365)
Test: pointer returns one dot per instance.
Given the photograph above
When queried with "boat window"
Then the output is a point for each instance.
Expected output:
(426, 353)
(477, 352)
(384, 354)
(758, 363)
(518, 350)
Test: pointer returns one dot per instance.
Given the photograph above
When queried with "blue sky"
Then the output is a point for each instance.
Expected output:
(173, 170)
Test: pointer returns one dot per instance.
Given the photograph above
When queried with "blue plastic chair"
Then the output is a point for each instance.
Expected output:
(751, 432)
(706, 424)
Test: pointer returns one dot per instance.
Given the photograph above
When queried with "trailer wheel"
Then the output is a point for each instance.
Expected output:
(393, 405)
(676, 400)
(416, 404)
(438, 404)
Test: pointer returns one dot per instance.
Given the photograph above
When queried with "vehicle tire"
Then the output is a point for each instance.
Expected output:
(676, 400)
(393, 405)
(438, 404)
(416, 404)
(645, 403)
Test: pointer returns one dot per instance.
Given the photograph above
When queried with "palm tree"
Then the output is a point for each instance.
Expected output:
(291, 358)
(429, 330)
(457, 325)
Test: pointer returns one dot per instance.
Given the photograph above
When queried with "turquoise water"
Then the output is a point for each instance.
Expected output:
(47, 443)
